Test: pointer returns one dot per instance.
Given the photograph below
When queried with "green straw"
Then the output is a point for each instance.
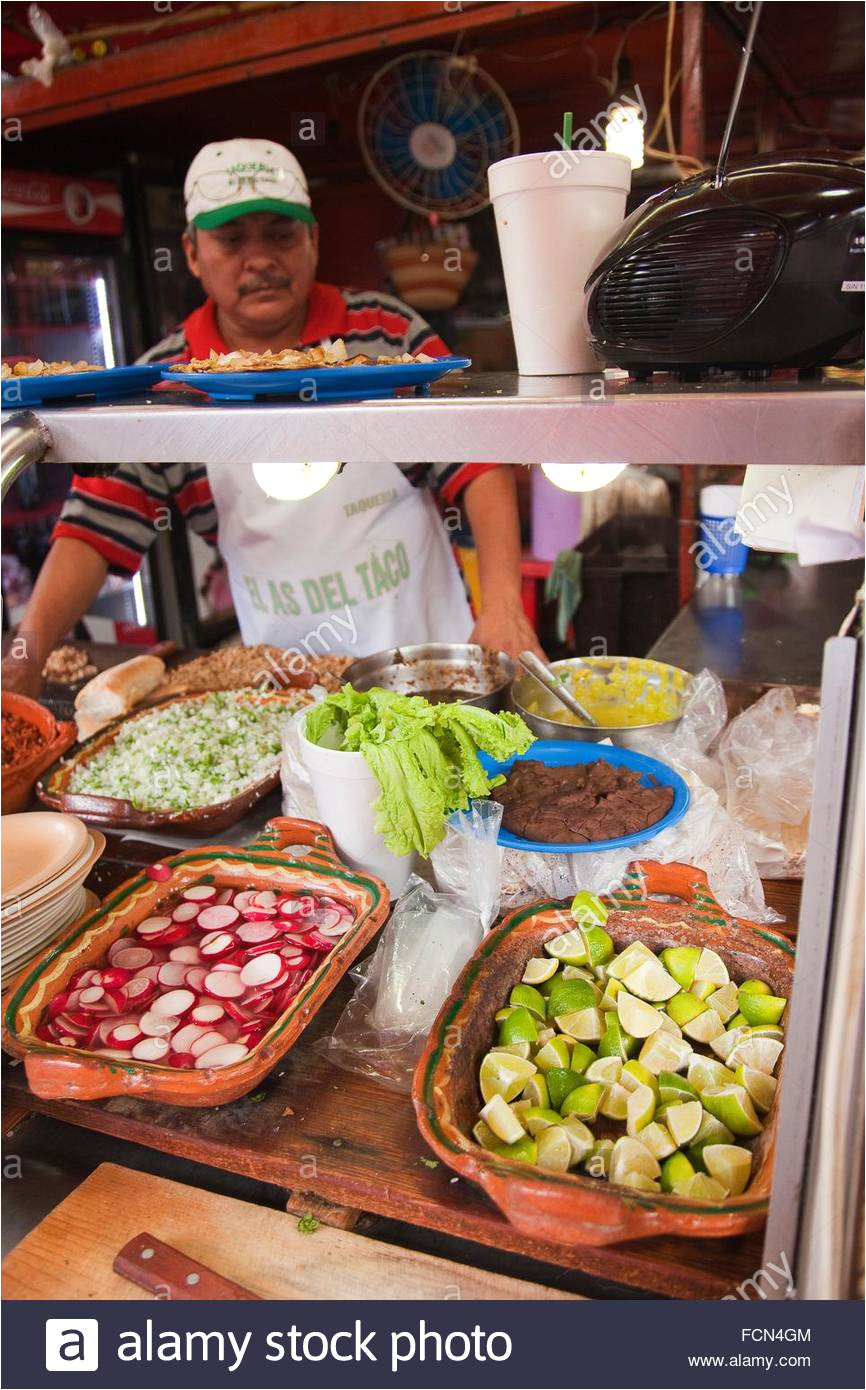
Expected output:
(567, 122)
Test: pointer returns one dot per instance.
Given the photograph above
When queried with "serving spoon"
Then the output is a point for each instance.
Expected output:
(546, 677)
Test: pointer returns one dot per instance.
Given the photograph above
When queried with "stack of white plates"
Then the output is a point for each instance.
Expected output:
(46, 857)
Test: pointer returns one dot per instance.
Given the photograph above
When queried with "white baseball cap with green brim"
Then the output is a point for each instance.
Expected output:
(233, 177)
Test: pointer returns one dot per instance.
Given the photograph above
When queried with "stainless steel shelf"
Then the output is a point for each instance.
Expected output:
(485, 417)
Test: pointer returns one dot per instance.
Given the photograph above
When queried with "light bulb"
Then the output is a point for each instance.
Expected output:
(292, 482)
(581, 477)
(624, 133)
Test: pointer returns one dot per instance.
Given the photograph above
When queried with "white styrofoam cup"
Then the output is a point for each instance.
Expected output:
(554, 213)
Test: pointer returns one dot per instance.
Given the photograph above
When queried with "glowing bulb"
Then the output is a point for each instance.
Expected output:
(581, 477)
(624, 134)
(292, 482)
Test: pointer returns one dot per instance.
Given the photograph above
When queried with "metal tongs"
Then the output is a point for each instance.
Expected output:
(546, 677)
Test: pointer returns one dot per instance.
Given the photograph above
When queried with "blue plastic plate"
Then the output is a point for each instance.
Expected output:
(106, 385)
(314, 384)
(568, 752)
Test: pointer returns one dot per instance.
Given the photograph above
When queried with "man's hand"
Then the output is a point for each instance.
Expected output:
(491, 506)
(22, 676)
(506, 629)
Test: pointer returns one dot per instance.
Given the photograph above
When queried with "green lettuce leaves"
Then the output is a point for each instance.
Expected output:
(424, 757)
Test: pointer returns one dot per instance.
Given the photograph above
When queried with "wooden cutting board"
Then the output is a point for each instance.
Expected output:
(69, 1255)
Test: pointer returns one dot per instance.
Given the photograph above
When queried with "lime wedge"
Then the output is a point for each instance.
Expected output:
(640, 1109)
(635, 1016)
(611, 990)
(633, 955)
(684, 1007)
(756, 987)
(575, 972)
(583, 1101)
(579, 1136)
(524, 1150)
(658, 1140)
(519, 1026)
(639, 1181)
(702, 989)
(614, 1104)
(711, 1131)
(597, 1163)
(635, 1074)
(569, 996)
(554, 1150)
(760, 1053)
(725, 1043)
(680, 962)
(607, 1070)
(615, 1041)
(649, 980)
(702, 1188)
(502, 1014)
(561, 1081)
(760, 1086)
(502, 1121)
(504, 1075)
(673, 1087)
(684, 1121)
(586, 1025)
(725, 1001)
(581, 1056)
(677, 1172)
(629, 1155)
(544, 1035)
(555, 1053)
(569, 947)
(536, 1118)
(729, 1164)
(538, 970)
(731, 1105)
(483, 1135)
(588, 910)
(535, 1090)
(598, 944)
(705, 1027)
(711, 968)
(760, 1009)
(524, 996)
(662, 1052)
(521, 1049)
(738, 1021)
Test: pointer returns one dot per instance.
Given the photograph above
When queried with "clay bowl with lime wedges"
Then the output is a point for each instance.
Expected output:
(695, 1175)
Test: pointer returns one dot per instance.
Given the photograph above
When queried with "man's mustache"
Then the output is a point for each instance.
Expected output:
(265, 282)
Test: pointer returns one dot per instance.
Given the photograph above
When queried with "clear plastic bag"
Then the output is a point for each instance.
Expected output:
(767, 755)
(707, 836)
(467, 863)
(402, 986)
(298, 798)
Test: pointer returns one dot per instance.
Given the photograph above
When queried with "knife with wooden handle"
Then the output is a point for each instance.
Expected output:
(169, 1274)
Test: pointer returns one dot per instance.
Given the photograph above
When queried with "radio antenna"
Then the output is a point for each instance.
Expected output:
(743, 69)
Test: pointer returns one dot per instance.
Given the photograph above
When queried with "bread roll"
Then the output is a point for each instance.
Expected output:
(115, 692)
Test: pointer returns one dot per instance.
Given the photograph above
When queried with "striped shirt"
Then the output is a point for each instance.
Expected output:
(119, 516)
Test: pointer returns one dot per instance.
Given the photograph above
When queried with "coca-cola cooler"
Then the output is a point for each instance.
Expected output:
(64, 263)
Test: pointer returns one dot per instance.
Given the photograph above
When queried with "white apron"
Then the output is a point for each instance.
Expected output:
(361, 566)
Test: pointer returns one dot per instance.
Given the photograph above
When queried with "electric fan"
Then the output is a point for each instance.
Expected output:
(430, 124)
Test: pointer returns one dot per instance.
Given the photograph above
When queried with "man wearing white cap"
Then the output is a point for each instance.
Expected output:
(370, 546)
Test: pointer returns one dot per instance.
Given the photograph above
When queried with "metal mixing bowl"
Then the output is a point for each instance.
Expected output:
(540, 719)
(429, 668)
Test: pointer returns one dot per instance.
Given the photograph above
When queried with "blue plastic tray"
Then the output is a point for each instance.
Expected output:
(568, 752)
(312, 384)
(103, 386)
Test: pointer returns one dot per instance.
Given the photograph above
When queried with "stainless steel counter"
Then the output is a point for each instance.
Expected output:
(769, 626)
(481, 417)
